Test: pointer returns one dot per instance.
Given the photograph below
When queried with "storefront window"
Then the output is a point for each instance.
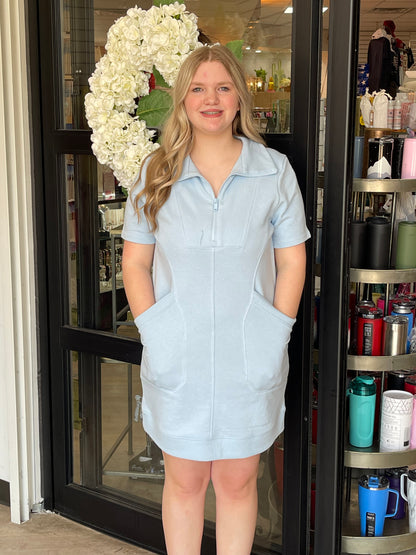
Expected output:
(264, 27)
(100, 258)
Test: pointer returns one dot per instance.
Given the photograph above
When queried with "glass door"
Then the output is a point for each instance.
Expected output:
(105, 470)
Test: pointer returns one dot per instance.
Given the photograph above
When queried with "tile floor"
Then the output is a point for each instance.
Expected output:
(51, 534)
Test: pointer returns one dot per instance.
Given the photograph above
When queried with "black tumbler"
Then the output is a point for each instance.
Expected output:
(397, 379)
(396, 164)
(380, 155)
(358, 244)
(378, 243)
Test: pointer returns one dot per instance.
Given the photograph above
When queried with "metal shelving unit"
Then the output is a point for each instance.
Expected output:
(396, 538)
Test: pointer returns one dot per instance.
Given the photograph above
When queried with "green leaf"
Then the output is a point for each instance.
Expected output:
(165, 2)
(236, 47)
(154, 108)
(159, 79)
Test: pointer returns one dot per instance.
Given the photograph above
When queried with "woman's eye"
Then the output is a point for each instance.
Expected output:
(224, 89)
(197, 89)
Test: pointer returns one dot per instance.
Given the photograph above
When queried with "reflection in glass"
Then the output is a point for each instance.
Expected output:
(128, 463)
(131, 461)
(76, 418)
(265, 29)
(99, 257)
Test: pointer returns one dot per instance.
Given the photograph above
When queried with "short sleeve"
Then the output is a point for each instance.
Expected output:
(135, 230)
(289, 216)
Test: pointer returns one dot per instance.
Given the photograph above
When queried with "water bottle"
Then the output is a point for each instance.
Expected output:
(362, 398)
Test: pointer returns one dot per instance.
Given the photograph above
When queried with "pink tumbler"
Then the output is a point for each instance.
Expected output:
(409, 159)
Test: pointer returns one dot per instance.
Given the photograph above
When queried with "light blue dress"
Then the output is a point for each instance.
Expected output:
(215, 362)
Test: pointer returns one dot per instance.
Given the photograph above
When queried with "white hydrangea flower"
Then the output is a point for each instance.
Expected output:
(161, 37)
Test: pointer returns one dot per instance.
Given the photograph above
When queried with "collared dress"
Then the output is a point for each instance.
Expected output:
(215, 362)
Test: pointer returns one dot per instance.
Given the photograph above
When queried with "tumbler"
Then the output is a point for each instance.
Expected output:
(373, 497)
(394, 338)
(396, 166)
(409, 478)
(362, 401)
(405, 308)
(358, 238)
(409, 159)
(369, 331)
(380, 157)
(358, 156)
(378, 241)
(393, 476)
(406, 245)
(396, 421)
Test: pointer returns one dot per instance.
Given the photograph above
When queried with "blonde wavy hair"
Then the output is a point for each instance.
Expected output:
(166, 163)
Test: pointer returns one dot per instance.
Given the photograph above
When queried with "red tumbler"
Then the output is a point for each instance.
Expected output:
(369, 331)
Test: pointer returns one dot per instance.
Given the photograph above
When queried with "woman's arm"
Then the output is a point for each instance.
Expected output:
(137, 264)
(290, 266)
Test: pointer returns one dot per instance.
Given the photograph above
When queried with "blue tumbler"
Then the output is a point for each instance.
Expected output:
(373, 496)
(362, 394)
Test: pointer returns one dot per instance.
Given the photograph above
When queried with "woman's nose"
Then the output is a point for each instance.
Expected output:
(211, 97)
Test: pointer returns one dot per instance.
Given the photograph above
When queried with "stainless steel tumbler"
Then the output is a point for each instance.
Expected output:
(394, 335)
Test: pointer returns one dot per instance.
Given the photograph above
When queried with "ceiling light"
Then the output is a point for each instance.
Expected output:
(290, 9)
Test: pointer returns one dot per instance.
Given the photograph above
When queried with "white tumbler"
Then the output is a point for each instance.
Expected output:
(396, 420)
(409, 494)
(413, 430)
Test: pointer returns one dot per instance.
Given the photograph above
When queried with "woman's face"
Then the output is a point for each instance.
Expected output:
(211, 102)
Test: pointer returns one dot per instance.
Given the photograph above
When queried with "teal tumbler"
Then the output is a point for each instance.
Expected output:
(362, 396)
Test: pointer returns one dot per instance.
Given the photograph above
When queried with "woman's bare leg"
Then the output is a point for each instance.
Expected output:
(235, 485)
(183, 504)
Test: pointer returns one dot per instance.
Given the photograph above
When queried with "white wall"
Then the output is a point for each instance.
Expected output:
(19, 419)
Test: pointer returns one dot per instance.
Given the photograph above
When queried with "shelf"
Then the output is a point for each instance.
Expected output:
(378, 546)
(381, 363)
(383, 185)
(396, 538)
(372, 458)
(407, 275)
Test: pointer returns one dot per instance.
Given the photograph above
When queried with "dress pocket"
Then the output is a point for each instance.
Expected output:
(162, 333)
(266, 336)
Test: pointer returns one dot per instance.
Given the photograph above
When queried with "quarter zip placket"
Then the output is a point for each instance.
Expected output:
(215, 207)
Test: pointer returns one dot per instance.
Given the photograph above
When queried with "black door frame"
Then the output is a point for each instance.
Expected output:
(133, 523)
(342, 87)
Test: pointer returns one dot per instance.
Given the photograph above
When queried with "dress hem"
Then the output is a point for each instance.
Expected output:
(214, 449)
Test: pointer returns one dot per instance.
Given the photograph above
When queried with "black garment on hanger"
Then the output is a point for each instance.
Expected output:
(380, 65)
(410, 59)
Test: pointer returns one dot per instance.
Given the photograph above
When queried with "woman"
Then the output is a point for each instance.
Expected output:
(213, 266)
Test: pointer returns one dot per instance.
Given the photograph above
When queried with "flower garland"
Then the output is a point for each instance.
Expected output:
(144, 48)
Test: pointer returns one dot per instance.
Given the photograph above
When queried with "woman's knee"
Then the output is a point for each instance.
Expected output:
(186, 478)
(235, 479)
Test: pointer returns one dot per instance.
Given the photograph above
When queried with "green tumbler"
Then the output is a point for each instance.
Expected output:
(406, 245)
